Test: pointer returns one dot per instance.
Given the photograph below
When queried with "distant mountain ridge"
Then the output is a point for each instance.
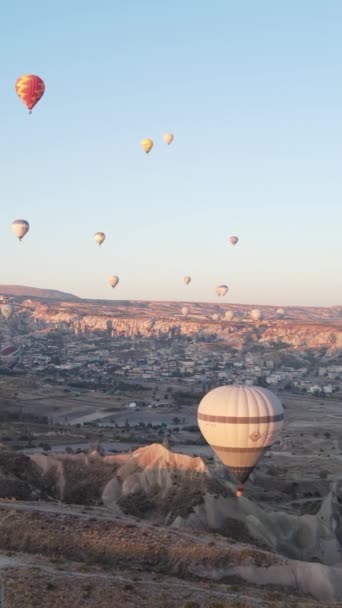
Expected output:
(36, 292)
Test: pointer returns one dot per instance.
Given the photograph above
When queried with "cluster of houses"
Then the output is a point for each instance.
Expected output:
(99, 359)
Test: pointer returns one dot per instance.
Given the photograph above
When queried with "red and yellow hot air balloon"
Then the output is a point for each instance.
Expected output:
(30, 89)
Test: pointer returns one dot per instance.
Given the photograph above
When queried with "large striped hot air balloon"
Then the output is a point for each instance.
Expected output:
(30, 89)
(239, 423)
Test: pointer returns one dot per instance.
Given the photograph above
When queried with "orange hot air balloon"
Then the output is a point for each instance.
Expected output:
(30, 89)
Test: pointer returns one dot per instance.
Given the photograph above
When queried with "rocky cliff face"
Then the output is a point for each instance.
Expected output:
(157, 320)
(155, 484)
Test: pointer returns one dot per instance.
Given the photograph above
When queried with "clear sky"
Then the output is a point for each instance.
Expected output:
(253, 93)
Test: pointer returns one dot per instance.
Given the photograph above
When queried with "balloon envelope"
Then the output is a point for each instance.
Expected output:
(147, 145)
(7, 310)
(239, 423)
(30, 89)
(20, 228)
(9, 355)
(233, 239)
(221, 290)
(168, 138)
(280, 313)
(113, 280)
(256, 314)
(187, 280)
(185, 311)
(229, 315)
(99, 237)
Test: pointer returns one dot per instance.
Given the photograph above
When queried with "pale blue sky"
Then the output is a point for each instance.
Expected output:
(253, 93)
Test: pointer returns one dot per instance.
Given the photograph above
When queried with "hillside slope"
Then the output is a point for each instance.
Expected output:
(36, 292)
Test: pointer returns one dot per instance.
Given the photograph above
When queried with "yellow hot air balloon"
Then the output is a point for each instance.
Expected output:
(99, 237)
(168, 138)
(147, 145)
(240, 422)
(20, 228)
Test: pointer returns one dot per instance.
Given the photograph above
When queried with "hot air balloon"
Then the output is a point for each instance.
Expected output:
(113, 280)
(149, 323)
(187, 280)
(239, 423)
(30, 89)
(9, 355)
(221, 290)
(280, 313)
(185, 311)
(147, 145)
(7, 310)
(256, 314)
(215, 317)
(229, 315)
(20, 228)
(99, 237)
(168, 138)
(234, 239)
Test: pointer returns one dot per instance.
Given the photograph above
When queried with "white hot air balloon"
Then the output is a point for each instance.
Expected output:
(256, 314)
(229, 315)
(7, 310)
(168, 138)
(215, 316)
(280, 313)
(185, 311)
(99, 237)
(239, 423)
(187, 280)
(234, 240)
(221, 290)
(113, 280)
(20, 228)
